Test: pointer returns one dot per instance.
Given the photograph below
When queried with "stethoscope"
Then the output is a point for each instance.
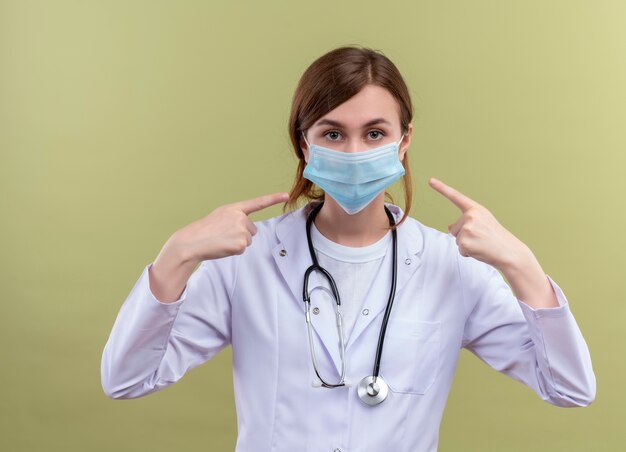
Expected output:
(372, 390)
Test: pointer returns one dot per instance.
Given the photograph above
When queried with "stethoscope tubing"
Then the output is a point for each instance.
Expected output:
(392, 294)
(306, 298)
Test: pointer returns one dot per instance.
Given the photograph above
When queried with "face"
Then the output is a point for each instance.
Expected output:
(369, 119)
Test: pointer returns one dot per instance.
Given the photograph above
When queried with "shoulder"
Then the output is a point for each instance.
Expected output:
(287, 230)
(423, 238)
(269, 230)
(439, 251)
(263, 242)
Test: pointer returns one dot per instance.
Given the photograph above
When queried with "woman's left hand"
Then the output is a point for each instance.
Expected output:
(478, 233)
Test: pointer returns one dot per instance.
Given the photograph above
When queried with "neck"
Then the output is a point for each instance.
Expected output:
(361, 229)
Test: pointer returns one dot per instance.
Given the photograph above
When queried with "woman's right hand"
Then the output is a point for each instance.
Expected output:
(224, 232)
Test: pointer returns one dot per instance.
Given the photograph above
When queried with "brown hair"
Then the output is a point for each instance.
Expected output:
(328, 82)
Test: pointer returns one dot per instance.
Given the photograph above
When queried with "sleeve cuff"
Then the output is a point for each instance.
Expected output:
(537, 313)
(155, 299)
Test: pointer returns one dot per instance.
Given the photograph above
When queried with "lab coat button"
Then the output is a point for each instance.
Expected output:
(282, 253)
(407, 261)
(316, 310)
(366, 311)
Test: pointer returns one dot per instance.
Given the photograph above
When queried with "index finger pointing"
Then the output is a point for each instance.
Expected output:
(457, 198)
(262, 202)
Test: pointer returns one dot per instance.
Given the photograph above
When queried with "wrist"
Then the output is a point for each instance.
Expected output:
(179, 252)
(523, 270)
(529, 282)
(518, 261)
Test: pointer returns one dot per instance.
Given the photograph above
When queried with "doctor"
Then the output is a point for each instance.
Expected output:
(376, 377)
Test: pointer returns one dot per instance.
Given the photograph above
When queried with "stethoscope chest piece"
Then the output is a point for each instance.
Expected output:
(372, 390)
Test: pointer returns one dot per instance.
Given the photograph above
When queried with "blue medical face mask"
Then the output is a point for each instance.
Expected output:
(353, 179)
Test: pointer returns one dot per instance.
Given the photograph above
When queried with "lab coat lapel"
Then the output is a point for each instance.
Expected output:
(292, 258)
(410, 244)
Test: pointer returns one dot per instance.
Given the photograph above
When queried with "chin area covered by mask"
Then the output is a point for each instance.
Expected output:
(354, 179)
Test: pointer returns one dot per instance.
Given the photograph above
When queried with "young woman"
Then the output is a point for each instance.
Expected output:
(388, 301)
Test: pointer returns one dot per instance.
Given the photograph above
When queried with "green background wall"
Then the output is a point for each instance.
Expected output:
(122, 121)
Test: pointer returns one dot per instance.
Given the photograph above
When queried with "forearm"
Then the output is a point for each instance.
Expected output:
(170, 272)
(529, 282)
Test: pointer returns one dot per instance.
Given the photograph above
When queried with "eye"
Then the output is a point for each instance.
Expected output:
(375, 134)
(333, 135)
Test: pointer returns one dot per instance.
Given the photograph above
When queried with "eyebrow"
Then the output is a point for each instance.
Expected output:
(334, 123)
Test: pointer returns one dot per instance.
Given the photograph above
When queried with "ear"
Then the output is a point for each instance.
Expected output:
(406, 141)
(304, 148)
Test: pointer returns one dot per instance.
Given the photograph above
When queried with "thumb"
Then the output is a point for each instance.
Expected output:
(456, 227)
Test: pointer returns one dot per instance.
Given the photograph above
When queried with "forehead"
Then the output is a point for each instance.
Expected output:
(371, 102)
